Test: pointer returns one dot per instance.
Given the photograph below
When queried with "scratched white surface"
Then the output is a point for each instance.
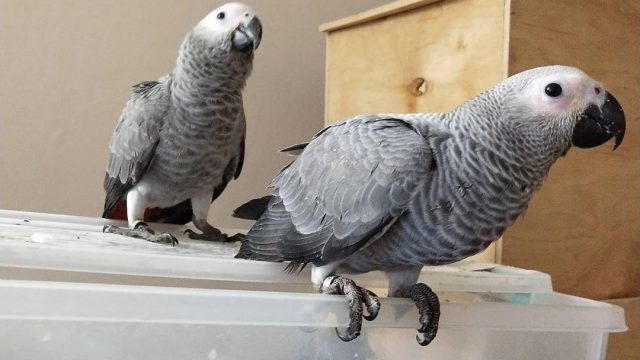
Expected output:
(80, 232)
(98, 241)
(70, 243)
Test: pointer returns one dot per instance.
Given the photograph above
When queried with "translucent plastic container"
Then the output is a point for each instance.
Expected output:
(263, 313)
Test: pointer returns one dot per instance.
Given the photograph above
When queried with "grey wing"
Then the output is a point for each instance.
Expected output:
(134, 140)
(238, 160)
(234, 168)
(351, 182)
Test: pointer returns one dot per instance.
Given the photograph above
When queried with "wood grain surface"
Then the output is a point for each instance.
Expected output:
(583, 227)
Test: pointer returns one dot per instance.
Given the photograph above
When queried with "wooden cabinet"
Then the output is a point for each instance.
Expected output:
(583, 227)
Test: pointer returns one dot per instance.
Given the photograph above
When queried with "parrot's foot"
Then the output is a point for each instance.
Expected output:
(356, 295)
(216, 235)
(428, 307)
(142, 231)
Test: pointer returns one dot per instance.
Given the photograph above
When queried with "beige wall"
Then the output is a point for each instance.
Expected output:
(66, 67)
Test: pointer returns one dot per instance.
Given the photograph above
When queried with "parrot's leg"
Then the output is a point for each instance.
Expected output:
(402, 283)
(428, 307)
(200, 205)
(137, 228)
(356, 295)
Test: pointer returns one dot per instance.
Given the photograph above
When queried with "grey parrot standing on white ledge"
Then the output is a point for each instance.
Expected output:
(398, 192)
(180, 140)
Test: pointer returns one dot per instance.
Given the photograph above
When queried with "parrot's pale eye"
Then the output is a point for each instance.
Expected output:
(553, 90)
(220, 15)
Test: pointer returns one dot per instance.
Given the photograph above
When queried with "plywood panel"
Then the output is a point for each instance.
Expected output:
(583, 227)
(392, 8)
(455, 46)
(626, 346)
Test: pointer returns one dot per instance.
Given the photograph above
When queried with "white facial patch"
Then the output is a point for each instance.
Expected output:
(577, 91)
(219, 23)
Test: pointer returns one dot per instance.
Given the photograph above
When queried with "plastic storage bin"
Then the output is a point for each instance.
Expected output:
(261, 312)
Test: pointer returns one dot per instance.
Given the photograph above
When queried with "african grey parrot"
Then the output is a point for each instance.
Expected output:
(398, 192)
(180, 140)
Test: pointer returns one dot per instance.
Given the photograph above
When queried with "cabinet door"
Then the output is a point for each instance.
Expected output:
(429, 59)
(583, 226)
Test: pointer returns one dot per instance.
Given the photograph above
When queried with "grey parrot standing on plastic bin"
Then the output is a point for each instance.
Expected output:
(180, 140)
(398, 192)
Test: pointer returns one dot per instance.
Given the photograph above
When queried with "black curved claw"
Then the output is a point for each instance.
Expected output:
(426, 334)
(189, 232)
(429, 308)
(373, 304)
(371, 316)
(214, 235)
(236, 237)
(424, 341)
(174, 241)
(357, 296)
(347, 336)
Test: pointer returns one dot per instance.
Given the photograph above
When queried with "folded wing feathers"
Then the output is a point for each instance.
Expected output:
(369, 164)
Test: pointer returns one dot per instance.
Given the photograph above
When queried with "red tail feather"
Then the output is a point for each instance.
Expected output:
(119, 212)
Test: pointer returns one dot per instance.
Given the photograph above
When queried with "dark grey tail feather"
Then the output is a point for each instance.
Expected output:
(253, 209)
(295, 267)
(245, 251)
(262, 242)
(180, 214)
(294, 150)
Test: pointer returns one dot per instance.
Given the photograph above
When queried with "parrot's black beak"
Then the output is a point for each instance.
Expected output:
(599, 124)
(247, 37)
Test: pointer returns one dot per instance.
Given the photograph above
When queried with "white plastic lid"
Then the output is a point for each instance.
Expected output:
(71, 248)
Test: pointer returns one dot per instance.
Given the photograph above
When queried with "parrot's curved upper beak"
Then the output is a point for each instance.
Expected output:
(598, 124)
(247, 37)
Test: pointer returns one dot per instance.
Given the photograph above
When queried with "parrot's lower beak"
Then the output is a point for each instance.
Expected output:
(247, 37)
(598, 124)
